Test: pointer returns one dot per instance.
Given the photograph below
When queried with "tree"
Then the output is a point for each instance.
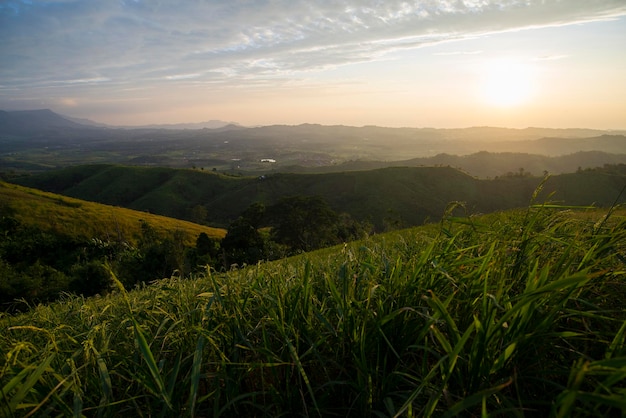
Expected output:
(89, 278)
(243, 242)
(349, 229)
(304, 223)
(199, 214)
(206, 246)
(254, 214)
(154, 258)
(205, 252)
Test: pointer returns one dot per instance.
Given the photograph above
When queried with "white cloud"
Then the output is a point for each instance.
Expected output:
(75, 42)
(551, 57)
(182, 76)
(94, 80)
(474, 52)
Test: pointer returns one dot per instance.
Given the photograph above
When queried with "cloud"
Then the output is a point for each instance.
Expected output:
(68, 102)
(130, 42)
(551, 57)
(94, 80)
(474, 52)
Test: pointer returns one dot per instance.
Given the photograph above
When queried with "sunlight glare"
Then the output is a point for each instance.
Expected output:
(507, 82)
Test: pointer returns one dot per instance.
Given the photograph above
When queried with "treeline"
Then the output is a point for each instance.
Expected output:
(388, 198)
(37, 266)
(291, 226)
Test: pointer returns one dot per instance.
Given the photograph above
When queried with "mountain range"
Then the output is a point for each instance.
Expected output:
(41, 120)
(41, 140)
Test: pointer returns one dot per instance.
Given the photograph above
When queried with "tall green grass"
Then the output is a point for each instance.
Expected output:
(516, 314)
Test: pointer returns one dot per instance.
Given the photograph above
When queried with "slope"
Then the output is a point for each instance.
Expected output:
(84, 219)
(390, 197)
(512, 314)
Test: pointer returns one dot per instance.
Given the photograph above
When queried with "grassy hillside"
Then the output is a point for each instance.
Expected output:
(517, 314)
(389, 197)
(79, 218)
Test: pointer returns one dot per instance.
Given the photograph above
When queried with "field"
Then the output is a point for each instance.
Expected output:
(517, 313)
(80, 218)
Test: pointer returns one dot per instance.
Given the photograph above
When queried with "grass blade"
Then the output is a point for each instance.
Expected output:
(148, 357)
(25, 388)
(195, 374)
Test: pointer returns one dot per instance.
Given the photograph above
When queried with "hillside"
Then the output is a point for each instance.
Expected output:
(511, 314)
(53, 245)
(79, 218)
(388, 198)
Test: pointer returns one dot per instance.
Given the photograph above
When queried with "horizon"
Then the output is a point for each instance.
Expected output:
(440, 65)
(77, 119)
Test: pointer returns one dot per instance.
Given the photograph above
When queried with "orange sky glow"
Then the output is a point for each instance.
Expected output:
(415, 64)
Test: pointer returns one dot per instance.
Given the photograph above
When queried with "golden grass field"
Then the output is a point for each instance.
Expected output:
(76, 217)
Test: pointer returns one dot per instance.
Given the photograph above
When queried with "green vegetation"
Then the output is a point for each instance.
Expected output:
(389, 198)
(298, 224)
(37, 266)
(74, 217)
(51, 244)
(517, 313)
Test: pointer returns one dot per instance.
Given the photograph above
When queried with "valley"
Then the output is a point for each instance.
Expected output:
(43, 140)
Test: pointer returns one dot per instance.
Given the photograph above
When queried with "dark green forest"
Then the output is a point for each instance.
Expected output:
(39, 265)
(387, 198)
(266, 218)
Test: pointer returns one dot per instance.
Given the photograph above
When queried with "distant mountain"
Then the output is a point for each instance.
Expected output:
(210, 124)
(87, 122)
(553, 146)
(25, 122)
(28, 122)
(42, 138)
(229, 127)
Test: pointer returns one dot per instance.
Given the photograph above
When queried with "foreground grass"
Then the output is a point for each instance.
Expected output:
(516, 314)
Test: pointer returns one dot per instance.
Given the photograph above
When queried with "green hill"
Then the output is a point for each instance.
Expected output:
(510, 314)
(388, 197)
(79, 218)
(52, 244)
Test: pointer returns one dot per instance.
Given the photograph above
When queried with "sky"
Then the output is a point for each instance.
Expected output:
(424, 63)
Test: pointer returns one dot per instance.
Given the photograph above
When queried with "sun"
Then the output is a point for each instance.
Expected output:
(507, 82)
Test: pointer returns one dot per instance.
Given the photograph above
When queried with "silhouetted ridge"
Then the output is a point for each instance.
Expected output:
(29, 122)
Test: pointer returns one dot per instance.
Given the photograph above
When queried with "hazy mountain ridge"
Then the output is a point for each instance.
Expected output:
(484, 164)
(40, 140)
(44, 118)
(210, 124)
(29, 122)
